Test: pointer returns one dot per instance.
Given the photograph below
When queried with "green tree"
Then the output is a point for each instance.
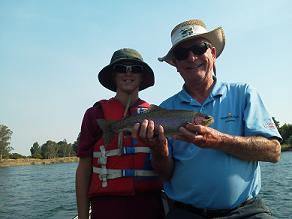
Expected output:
(75, 144)
(286, 132)
(5, 136)
(35, 150)
(290, 140)
(49, 150)
(64, 149)
(16, 156)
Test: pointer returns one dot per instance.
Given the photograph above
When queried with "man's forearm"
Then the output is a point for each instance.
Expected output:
(253, 148)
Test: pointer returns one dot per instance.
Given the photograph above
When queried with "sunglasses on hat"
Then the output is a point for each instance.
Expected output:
(197, 49)
(121, 68)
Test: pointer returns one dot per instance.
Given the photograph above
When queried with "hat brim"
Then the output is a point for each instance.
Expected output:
(106, 78)
(216, 37)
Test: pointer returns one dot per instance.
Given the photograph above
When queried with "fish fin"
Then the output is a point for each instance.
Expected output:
(107, 132)
(154, 107)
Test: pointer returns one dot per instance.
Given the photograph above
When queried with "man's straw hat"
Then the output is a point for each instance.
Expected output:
(193, 29)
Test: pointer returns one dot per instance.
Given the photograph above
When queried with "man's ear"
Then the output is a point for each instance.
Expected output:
(214, 52)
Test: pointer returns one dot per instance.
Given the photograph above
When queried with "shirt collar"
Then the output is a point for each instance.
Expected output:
(218, 90)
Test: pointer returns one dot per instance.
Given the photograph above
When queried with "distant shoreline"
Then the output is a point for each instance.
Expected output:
(33, 161)
(286, 147)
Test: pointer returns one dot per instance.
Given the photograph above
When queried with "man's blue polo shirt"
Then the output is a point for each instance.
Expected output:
(208, 178)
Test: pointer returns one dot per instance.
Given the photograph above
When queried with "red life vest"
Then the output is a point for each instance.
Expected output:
(125, 170)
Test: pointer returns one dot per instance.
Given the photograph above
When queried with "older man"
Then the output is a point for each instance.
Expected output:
(212, 171)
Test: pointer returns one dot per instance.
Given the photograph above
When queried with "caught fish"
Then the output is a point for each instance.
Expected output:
(170, 120)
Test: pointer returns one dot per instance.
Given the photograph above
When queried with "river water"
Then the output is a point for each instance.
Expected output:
(47, 191)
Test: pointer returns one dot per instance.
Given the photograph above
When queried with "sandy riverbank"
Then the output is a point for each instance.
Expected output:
(32, 161)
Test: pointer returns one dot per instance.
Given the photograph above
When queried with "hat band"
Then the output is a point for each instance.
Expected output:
(185, 32)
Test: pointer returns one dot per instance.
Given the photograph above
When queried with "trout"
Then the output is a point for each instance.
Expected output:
(170, 120)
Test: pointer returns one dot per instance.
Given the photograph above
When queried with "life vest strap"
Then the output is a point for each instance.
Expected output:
(122, 151)
(116, 173)
(105, 174)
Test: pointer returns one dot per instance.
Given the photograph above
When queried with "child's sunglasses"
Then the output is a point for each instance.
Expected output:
(121, 68)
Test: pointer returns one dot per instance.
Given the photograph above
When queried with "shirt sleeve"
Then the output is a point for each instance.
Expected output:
(257, 119)
(90, 131)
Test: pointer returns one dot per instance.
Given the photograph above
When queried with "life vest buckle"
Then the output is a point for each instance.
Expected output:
(102, 160)
(103, 176)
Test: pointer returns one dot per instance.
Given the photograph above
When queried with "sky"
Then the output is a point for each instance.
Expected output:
(51, 53)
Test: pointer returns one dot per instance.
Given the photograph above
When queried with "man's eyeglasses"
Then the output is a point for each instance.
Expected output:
(197, 49)
(121, 68)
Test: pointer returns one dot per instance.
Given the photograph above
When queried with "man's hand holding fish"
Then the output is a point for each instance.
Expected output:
(201, 136)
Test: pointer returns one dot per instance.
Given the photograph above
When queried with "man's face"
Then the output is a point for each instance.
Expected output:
(194, 60)
(128, 77)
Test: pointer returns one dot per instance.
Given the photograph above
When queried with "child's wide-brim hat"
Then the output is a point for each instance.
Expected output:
(193, 29)
(106, 76)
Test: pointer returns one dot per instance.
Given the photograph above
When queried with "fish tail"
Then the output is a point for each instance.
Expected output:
(107, 132)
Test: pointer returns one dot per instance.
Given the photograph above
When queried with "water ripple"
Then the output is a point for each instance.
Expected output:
(47, 191)
(277, 186)
(38, 191)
